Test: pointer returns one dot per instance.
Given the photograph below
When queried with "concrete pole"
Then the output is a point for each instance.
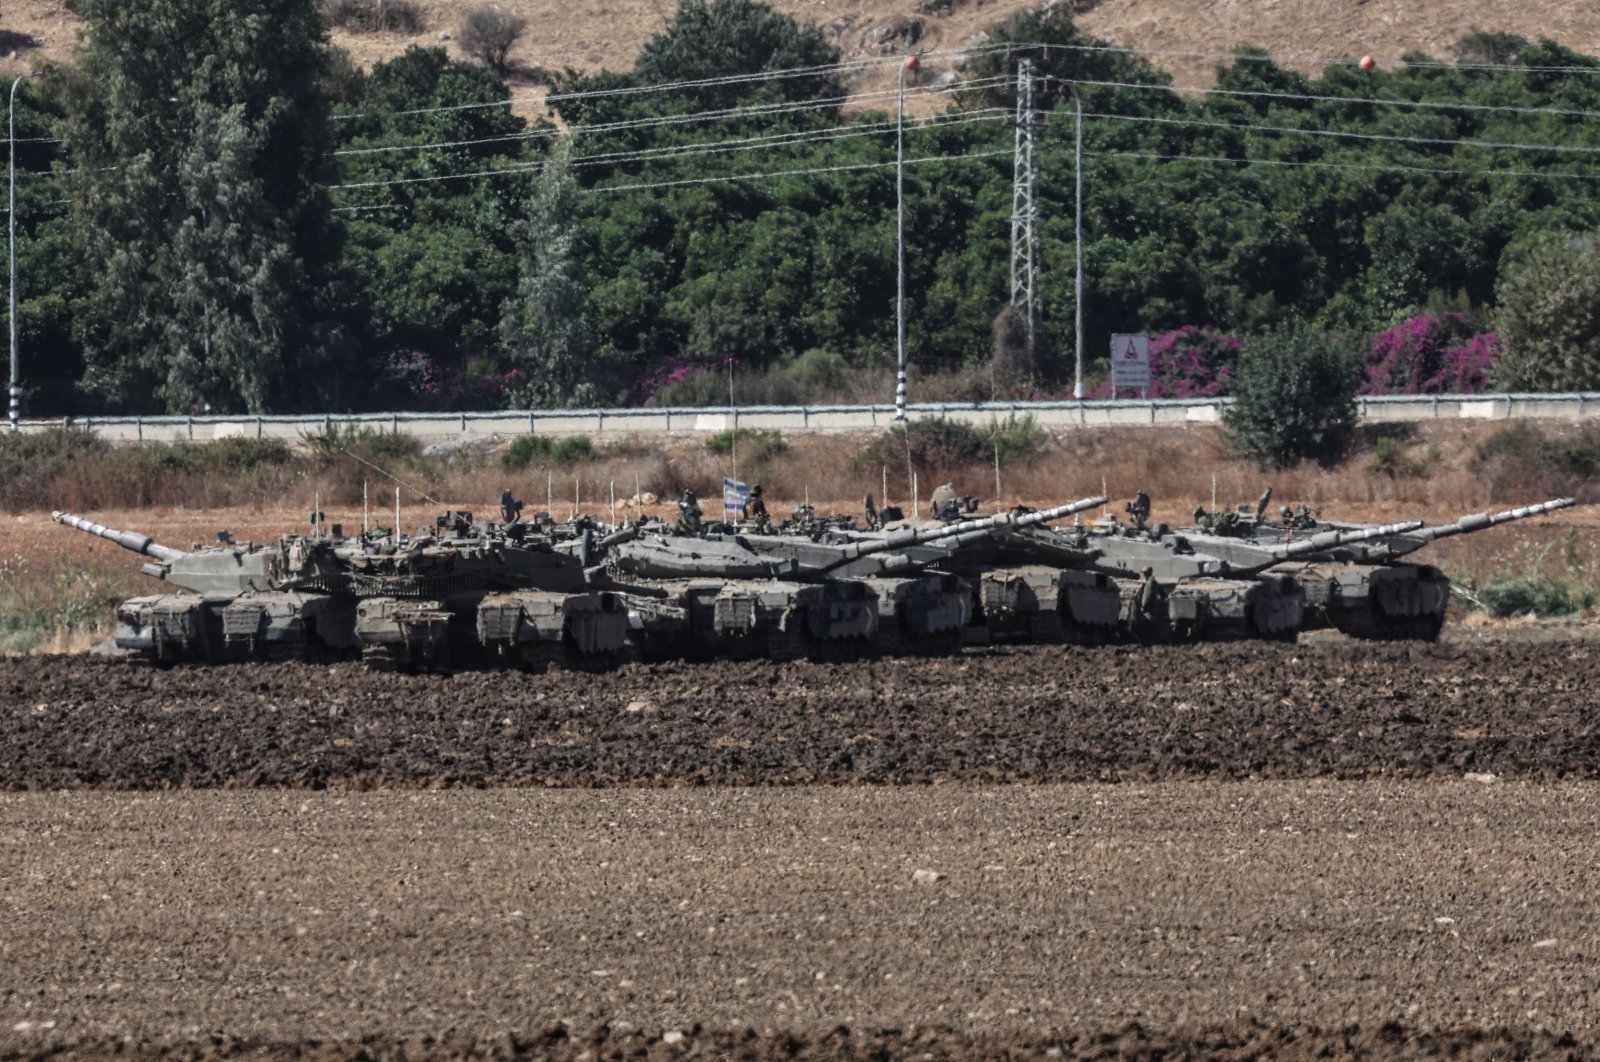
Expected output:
(911, 63)
(11, 136)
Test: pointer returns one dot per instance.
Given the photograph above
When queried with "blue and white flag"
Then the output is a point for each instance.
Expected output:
(734, 496)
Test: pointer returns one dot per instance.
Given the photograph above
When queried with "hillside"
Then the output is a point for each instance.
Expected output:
(594, 34)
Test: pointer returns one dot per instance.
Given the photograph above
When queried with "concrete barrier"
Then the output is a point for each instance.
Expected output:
(443, 427)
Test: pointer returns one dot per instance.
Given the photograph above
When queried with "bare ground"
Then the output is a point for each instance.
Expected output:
(1329, 850)
(1284, 919)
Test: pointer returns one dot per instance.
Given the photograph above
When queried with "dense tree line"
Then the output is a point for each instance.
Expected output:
(218, 211)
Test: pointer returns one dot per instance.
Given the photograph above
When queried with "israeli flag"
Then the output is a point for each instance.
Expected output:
(734, 496)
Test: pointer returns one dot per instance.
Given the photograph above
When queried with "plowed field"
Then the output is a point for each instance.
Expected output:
(1324, 850)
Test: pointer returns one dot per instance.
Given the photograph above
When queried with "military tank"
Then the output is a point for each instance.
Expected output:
(457, 594)
(789, 595)
(1356, 585)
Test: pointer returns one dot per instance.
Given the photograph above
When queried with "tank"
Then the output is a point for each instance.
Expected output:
(813, 595)
(1358, 585)
(457, 594)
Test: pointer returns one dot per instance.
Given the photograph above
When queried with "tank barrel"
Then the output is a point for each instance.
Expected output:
(129, 540)
(967, 530)
(1479, 521)
(1332, 539)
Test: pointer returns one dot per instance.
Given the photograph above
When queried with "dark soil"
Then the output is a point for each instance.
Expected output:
(1332, 710)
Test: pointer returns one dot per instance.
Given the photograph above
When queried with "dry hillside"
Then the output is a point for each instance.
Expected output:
(591, 34)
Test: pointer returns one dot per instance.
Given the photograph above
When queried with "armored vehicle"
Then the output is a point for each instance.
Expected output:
(787, 595)
(1357, 585)
(456, 594)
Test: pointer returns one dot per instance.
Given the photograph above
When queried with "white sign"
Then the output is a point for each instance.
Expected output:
(734, 495)
(1130, 363)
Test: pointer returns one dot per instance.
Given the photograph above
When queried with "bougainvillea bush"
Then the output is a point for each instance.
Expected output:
(1195, 361)
(1430, 354)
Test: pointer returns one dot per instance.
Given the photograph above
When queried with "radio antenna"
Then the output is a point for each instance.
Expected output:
(384, 472)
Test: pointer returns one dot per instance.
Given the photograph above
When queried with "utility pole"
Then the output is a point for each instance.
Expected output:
(11, 136)
(911, 63)
(1077, 243)
(1024, 213)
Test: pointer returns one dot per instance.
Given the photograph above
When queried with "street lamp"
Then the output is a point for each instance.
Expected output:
(911, 63)
(11, 135)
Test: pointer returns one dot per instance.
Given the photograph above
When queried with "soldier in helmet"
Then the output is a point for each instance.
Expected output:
(689, 514)
(1139, 509)
(755, 507)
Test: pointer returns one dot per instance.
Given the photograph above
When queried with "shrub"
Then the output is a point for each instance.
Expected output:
(1294, 397)
(528, 449)
(487, 33)
(1430, 354)
(1541, 597)
(373, 16)
(1016, 439)
(335, 438)
(754, 444)
(928, 444)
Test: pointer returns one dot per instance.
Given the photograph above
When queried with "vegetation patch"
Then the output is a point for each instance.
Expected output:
(543, 449)
(751, 444)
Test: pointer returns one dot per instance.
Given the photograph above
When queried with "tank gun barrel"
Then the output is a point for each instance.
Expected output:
(1479, 521)
(966, 530)
(129, 540)
(1333, 539)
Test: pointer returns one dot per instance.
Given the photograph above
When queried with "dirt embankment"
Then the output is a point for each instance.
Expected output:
(1335, 709)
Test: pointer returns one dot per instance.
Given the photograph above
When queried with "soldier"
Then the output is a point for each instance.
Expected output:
(688, 513)
(1149, 592)
(510, 508)
(755, 508)
(1139, 509)
(945, 503)
(870, 511)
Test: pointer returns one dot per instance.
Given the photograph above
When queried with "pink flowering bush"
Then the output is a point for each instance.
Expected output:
(1430, 354)
(1194, 361)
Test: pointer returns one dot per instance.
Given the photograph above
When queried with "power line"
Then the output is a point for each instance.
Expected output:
(1378, 167)
(1559, 112)
(670, 86)
(1487, 145)
(1325, 61)
(598, 128)
(792, 173)
(647, 154)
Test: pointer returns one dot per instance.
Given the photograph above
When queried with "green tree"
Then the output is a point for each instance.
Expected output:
(542, 327)
(1294, 396)
(723, 38)
(200, 134)
(1549, 319)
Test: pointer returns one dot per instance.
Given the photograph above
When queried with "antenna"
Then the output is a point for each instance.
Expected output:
(384, 472)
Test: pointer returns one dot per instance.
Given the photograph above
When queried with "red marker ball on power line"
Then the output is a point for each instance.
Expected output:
(913, 63)
(1367, 62)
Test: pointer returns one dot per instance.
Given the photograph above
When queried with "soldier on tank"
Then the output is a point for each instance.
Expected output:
(689, 522)
(1139, 509)
(510, 507)
(755, 507)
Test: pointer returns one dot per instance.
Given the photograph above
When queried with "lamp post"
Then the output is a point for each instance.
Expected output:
(911, 63)
(11, 216)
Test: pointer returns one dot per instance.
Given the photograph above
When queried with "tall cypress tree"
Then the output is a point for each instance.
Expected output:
(202, 143)
(542, 326)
